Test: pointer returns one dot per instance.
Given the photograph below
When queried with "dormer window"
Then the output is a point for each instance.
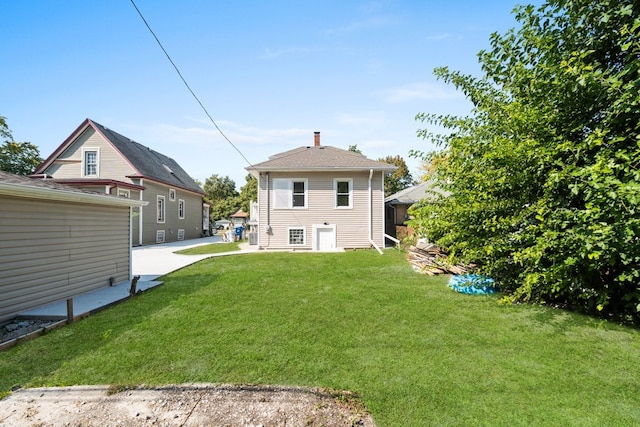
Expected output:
(90, 161)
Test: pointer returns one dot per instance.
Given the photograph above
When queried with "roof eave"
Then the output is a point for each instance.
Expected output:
(26, 191)
(317, 169)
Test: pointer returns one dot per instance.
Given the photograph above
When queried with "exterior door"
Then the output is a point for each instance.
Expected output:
(324, 238)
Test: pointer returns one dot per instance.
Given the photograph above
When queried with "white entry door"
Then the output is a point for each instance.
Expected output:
(324, 237)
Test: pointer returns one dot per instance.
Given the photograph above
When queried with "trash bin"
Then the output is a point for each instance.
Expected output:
(239, 232)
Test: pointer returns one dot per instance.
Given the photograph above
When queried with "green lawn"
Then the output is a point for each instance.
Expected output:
(416, 352)
(213, 248)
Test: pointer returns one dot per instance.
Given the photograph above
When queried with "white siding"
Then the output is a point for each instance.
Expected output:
(51, 251)
(352, 225)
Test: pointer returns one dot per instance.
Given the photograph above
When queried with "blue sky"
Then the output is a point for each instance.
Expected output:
(270, 73)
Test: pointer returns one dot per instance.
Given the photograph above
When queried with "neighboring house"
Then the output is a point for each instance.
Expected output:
(57, 242)
(320, 198)
(96, 158)
(397, 207)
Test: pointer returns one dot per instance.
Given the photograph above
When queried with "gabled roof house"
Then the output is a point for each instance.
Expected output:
(320, 198)
(97, 158)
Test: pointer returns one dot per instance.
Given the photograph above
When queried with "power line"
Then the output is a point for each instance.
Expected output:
(187, 84)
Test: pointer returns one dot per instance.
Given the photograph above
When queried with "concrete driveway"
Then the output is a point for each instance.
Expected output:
(152, 261)
(148, 262)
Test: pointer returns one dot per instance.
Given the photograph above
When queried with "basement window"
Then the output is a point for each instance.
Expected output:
(296, 236)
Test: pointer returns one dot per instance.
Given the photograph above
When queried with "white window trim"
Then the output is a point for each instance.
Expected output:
(285, 192)
(172, 194)
(124, 193)
(86, 150)
(335, 192)
(160, 236)
(164, 210)
(180, 233)
(304, 237)
(184, 206)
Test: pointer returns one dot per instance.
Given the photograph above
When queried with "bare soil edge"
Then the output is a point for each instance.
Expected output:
(183, 405)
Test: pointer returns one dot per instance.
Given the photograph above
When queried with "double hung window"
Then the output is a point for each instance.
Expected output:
(290, 193)
(181, 209)
(160, 209)
(343, 191)
(90, 162)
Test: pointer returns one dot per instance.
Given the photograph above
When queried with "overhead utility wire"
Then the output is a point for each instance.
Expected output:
(187, 84)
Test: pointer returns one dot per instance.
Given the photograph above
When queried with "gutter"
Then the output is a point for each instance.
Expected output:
(27, 191)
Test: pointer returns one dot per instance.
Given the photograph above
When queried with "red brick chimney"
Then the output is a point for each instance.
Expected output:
(316, 139)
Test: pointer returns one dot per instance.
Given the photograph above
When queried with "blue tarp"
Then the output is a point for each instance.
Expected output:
(474, 284)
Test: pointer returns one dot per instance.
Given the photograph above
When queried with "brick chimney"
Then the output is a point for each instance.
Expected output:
(316, 139)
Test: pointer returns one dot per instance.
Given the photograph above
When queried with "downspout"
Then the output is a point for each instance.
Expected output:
(268, 227)
(140, 209)
(130, 242)
(371, 213)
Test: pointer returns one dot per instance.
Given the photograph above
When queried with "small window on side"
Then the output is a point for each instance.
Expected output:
(296, 236)
(181, 209)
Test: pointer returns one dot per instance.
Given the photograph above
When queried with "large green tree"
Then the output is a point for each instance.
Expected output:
(248, 193)
(544, 175)
(220, 193)
(20, 158)
(400, 178)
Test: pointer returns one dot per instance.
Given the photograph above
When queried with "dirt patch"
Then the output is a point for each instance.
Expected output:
(182, 405)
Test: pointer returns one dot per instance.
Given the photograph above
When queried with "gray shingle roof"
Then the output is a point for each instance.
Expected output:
(10, 178)
(49, 189)
(149, 163)
(414, 194)
(319, 158)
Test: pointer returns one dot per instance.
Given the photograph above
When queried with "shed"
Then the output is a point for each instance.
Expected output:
(58, 241)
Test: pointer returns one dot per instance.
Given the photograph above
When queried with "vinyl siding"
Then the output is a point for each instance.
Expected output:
(111, 165)
(51, 251)
(191, 224)
(352, 225)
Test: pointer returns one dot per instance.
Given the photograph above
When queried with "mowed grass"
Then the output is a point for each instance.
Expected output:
(213, 248)
(416, 352)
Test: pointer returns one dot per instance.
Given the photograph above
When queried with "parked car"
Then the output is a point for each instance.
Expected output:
(221, 224)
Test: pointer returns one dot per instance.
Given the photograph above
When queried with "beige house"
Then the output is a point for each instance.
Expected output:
(57, 242)
(320, 198)
(96, 158)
